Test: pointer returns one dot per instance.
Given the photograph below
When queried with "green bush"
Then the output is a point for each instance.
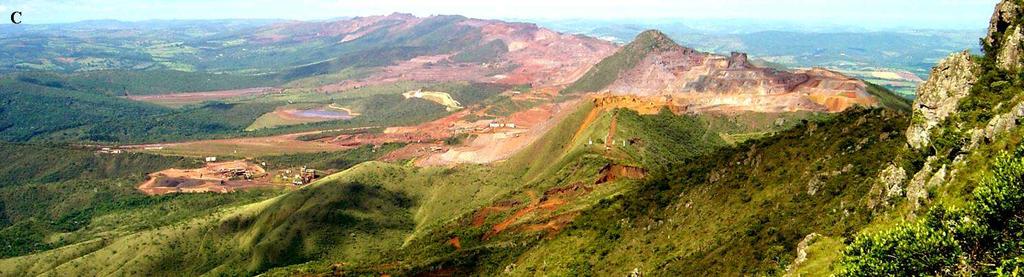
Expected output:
(984, 238)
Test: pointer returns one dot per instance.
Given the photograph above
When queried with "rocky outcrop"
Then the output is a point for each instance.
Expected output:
(997, 125)
(1005, 34)
(739, 60)
(892, 179)
(917, 188)
(801, 248)
(889, 185)
(1006, 14)
(951, 80)
(1009, 56)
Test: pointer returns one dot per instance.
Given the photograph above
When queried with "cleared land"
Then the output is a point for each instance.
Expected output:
(442, 98)
(220, 177)
(503, 138)
(175, 100)
(243, 147)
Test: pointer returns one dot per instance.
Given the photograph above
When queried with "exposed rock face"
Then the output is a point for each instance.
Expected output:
(801, 248)
(889, 185)
(1005, 15)
(801, 252)
(702, 81)
(917, 188)
(1005, 34)
(540, 56)
(997, 125)
(951, 80)
(1009, 56)
(1004, 122)
(892, 180)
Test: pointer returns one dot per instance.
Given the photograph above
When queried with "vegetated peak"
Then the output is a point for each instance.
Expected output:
(652, 40)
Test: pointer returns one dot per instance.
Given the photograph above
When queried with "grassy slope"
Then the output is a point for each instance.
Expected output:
(121, 82)
(742, 212)
(375, 214)
(86, 197)
(402, 204)
(76, 195)
(661, 138)
(888, 98)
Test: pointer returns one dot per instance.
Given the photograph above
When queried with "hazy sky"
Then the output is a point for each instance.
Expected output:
(873, 13)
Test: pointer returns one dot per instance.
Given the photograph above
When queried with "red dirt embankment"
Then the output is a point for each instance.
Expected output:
(545, 208)
(613, 172)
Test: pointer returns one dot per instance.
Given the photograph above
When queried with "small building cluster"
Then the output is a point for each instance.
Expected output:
(303, 177)
(237, 174)
(500, 124)
(108, 150)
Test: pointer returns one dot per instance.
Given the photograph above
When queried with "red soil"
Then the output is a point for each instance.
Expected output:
(546, 203)
(426, 132)
(481, 216)
(553, 226)
(455, 242)
(496, 144)
(613, 172)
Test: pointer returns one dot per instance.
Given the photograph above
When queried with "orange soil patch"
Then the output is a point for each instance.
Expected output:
(455, 242)
(610, 138)
(481, 216)
(551, 203)
(220, 177)
(553, 226)
(640, 104)
(414, 150)
(552, 199)
(545, 203)
(430, 131)
(172, 99)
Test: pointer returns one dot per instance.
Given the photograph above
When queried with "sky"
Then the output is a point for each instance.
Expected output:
(927, 14)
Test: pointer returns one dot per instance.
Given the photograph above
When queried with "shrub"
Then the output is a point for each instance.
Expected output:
(983, 238)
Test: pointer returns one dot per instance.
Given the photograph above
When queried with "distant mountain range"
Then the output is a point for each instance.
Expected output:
(898, 60)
